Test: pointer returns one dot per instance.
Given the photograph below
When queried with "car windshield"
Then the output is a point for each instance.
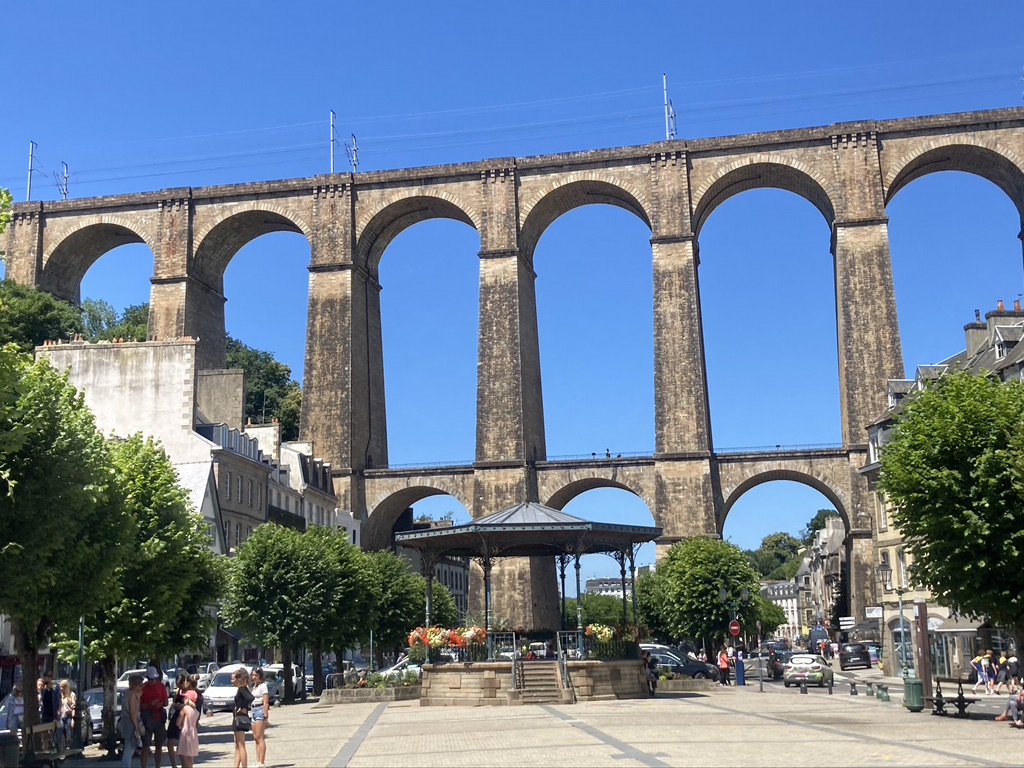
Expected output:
(94, 698)
(221, 680)
(804, 659)
(854, 648)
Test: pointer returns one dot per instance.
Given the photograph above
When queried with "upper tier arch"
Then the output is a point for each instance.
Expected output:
(757, 172)
(573, 191)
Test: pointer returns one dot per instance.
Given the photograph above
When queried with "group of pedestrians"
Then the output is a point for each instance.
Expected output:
(995, 673)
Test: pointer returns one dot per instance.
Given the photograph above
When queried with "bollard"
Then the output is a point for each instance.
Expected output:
(853, 689)
(803, 687)
(829, 687)
(883, 692)
(871, 688)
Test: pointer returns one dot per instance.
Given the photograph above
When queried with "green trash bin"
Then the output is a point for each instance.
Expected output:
(913, 694)
(9, 757)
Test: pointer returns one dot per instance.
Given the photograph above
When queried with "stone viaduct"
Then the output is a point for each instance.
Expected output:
(849, 172)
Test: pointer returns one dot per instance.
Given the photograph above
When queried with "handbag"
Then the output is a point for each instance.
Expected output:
(241, 722)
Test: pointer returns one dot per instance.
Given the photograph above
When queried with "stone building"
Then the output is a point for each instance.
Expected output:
(453, 572)
(826, 562)
(993, 345)
(786, 595)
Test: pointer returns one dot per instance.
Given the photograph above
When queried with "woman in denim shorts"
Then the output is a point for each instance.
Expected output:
(260, 716)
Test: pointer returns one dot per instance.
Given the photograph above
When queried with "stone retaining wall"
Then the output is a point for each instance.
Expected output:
(365, 695)
(470, 684)
(601, 680)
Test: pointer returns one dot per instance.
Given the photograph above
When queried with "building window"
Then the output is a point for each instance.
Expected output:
(248, 487)
(238, 534)
(227, 534)
(228, 484)
(259, 497)
(248, 531)
(239, 489)
(883, 513)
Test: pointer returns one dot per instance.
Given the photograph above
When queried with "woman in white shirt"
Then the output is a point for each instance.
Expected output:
(260, 716)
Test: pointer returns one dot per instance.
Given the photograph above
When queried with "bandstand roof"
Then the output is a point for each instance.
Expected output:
(527, 530)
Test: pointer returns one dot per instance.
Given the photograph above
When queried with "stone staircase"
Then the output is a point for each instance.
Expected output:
(542, 683)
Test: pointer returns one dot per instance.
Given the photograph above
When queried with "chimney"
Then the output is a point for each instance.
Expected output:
(976, 334)
(1000, 307)
(1016, 305)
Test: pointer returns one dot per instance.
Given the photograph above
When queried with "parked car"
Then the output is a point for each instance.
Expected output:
(808, 668)
(875, 653)
(402, 668)
(220, 695)
(854, 655)
(94, 704)
(685, 667)
(275, 685)
(777, 662)
(298, 683)
(204, 670)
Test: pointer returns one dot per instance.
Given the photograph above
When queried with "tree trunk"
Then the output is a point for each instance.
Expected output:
(318, 669)
(289, 678)
(28, 651)
(109, 664)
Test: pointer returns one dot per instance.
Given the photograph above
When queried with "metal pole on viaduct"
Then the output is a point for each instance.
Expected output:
(849, 172)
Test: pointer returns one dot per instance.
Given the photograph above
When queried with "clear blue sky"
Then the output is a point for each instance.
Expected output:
(141, 96)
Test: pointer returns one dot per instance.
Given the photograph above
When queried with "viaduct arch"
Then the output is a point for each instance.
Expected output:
(849, 171)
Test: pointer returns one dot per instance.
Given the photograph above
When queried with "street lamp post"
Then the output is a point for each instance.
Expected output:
(885, 576)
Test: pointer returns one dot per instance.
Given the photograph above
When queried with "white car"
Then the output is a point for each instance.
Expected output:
(122, 681)
(220, 694)
(402, 668)
(298, 681)
(205, 671)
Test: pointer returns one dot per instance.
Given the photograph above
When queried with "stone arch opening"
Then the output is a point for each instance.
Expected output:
(427, 306)
(766, 284)
(954, 224)
(376, 234)
(575, 194)
(595, 321)
(758, 175)
(996, 167)
(65, 265)
(417, 500)
(831, 493)
(218, 245)
(606, 500)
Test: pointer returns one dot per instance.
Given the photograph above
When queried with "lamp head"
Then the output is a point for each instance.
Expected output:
(884, 572)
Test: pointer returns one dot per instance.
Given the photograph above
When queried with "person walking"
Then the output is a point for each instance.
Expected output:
(241, 722)
(188, 730)
(173, 731)
(129, 725)
(16, 713)
(153, 706)
(68, 701)
(723, 666)
(260, 716)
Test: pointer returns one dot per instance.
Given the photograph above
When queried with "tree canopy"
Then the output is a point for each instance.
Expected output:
(270, 391)
(953, 473)
(599, 609)
(29, 317)
(400, 601)
(778, 556)
(63, 523)
(816, 524)
(103, 323)
(683, 594)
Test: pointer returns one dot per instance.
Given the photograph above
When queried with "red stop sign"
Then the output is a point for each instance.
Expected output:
(734, 628)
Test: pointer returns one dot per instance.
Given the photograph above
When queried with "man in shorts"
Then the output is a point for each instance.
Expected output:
(153, 712)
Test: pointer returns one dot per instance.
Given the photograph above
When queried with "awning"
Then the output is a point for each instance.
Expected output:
(959, 624)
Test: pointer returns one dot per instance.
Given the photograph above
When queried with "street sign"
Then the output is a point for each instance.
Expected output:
(734, 628)
(873, 612)
(847, 622)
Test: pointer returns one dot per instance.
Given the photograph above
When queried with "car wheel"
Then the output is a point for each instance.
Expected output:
(842, 667)
(785, 683)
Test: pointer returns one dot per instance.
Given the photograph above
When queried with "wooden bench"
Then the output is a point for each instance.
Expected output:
(961, 702)
(43, 744)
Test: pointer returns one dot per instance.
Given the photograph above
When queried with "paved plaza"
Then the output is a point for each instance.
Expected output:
(726, 726)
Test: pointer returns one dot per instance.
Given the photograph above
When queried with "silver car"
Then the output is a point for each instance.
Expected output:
(94, 701)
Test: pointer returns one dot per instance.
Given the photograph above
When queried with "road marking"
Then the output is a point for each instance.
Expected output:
(349, 750)
(628, 752)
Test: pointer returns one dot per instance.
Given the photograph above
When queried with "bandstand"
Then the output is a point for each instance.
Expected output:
(582, 667)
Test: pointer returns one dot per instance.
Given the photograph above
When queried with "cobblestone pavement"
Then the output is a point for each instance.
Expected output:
(727, 726)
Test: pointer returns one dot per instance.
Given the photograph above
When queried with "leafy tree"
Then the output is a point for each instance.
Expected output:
(5, 210)
(777, 556)
(11, 388)
(64, 525)
(399, 603)
(650, 604)
(165, 589)
(816, 523)
(691, 575)
(270, 391)
(28, 317)
(769, 614)
(443, 610)
(599, 609)
(102, 323)
(954, 475)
